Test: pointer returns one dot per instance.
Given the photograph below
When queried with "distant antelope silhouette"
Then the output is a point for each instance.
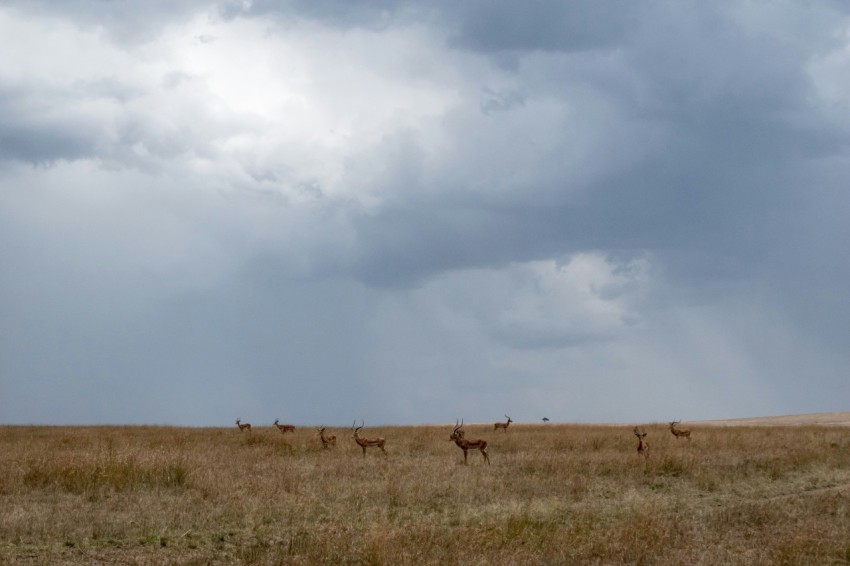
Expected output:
(643, 443)
(677, 432)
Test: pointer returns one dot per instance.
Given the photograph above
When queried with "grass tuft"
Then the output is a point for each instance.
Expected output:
(87, 476)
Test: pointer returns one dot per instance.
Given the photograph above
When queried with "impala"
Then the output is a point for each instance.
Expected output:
(243, 426)
(677, 432)
(464, 444)
(326, 440)
(643, 443)
(366, 442)
(284, 428)
(504, 426)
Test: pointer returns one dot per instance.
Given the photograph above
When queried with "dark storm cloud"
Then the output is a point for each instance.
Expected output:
(484, 26)
(540, 25)
(41, 124)
(34, 130)
(739, 118)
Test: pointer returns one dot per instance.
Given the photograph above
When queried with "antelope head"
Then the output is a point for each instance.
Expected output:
(457, 432)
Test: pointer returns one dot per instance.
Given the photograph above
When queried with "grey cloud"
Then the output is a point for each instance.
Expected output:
(33, 128)
(42, 144)
(499, 26)
(123, 22)
(374, 15)
(540, 25)
(103, 120)
(40, 126)
(500, 101)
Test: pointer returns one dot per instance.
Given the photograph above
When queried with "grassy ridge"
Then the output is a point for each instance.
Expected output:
(553, 494)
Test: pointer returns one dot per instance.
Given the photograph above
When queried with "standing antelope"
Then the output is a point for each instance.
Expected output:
(504, 426)
(465, 445)
(284, 428)
(677, 432)
(643, 443)
(366, 442)
(327, 440)
(243, 426)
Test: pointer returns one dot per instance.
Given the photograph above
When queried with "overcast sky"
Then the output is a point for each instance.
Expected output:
(413, 212)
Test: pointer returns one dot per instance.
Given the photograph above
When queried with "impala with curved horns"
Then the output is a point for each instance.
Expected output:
(243, 426)
(504, 426)
(366, 442)
(464, 444)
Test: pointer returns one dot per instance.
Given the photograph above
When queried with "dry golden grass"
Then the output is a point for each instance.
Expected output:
(554, 494)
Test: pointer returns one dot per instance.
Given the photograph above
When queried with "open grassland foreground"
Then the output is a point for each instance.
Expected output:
(554, 494)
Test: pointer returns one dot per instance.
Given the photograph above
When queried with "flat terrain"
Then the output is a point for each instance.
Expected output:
(811, 419)
(554, 494)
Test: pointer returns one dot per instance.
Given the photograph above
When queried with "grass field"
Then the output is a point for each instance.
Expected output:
(554, 494)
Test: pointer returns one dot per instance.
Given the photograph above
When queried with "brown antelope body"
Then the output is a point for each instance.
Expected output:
(643, 443)
(329, 440)
(504, 426)
(677, 432)
(366, 442)
(243, 426)
(284, 428)
(465, 445)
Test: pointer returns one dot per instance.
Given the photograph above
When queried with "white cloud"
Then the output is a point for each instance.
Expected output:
(553, 304)
(54, 52)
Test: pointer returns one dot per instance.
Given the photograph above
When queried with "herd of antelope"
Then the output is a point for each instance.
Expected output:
(458, 436)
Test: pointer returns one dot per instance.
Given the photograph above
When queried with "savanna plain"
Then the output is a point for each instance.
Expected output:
(553, 494)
